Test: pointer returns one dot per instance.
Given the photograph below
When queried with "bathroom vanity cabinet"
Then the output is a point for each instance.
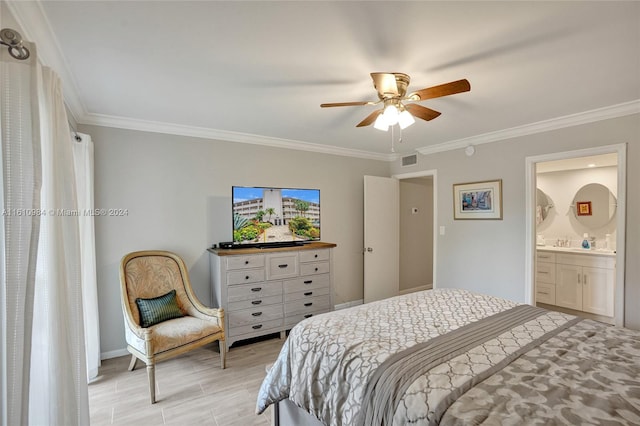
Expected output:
(580, 281)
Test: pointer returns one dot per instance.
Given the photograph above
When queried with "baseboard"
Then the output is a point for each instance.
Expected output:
(349, 304)
(114, 354)
(361, 301)
(414, 289)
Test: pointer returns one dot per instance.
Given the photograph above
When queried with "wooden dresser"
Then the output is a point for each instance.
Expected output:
(269, 290)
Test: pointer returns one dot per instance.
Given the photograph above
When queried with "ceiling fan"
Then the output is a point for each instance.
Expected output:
(392, 92)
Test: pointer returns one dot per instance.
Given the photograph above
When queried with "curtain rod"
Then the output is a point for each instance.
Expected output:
(13, 40)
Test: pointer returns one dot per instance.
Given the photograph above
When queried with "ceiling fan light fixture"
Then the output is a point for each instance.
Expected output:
(405, 119)
(381, 123)
(391, 114)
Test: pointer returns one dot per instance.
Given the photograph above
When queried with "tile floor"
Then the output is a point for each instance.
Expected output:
(190, 389)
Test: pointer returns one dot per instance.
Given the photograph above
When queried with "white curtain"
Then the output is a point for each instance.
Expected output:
(43, 369)
(58, 393)
(20, 194)
(82, 146)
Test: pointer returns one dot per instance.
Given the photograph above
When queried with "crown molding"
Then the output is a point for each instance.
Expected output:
(613, 111)
(35, 27)
(229, 136)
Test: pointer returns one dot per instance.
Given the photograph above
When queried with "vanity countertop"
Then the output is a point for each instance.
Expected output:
(596, 252)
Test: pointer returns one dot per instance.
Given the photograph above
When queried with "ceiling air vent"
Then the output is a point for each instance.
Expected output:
(409, 160)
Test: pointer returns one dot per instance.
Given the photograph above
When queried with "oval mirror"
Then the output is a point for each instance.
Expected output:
(594, 205)
(543, 204)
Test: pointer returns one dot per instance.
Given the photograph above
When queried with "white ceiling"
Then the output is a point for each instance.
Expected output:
(257, 71)
(603, 160)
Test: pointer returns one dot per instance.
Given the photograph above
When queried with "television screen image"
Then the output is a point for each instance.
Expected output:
(275, 215)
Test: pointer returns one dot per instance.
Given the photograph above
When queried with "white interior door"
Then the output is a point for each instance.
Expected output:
(381, 238)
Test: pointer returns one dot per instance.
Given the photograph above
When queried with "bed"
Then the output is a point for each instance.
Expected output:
(450, 356)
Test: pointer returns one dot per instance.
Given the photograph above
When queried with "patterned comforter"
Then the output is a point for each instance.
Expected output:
(353, 367)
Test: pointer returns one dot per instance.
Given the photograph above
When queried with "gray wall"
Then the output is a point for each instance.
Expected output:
(178, 194)
(177, 191)
(416, 233)
(489, 256)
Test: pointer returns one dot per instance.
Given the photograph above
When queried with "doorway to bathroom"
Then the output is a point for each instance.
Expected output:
(576, 232)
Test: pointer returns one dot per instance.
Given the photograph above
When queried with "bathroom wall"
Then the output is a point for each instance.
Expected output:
(561, 187)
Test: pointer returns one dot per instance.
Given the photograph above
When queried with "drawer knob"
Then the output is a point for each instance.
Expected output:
(308, 304)
(246, 262)
(315, 256)
(308, 315)
(256, 302)
(308, 281)
(284, 265)
(247, 277)
(316, 269)
(257, 327)
(256, 314)
(255, 289)
(309, 293)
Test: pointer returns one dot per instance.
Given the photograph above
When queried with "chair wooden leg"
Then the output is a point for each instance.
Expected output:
(132, 363)
(223, 354)
(152, 382)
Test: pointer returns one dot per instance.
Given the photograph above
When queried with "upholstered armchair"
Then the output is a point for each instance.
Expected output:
(162, 316)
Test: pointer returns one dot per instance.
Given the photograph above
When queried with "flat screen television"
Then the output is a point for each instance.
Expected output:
(265, 216)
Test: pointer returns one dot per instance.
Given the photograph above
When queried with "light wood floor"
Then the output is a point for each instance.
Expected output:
(190, 389)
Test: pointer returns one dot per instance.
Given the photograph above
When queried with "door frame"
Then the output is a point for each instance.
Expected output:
(434, 175)
(530, 203)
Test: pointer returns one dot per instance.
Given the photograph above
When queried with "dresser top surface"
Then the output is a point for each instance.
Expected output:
(256, 250)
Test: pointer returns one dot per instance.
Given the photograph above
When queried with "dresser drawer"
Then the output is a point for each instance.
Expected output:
(246, 276)
(546, 293)
(314, 268)
(292, 320)
(260, 328)
(314, 255)
(282, 265)
(307, 283)
(256, 291)
(256, 315)
(309, 305)
(244, 262)
(545, 272)
(306, 294)
(255, 303)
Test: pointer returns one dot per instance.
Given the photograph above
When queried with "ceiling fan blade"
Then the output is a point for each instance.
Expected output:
(340, 104)
(446, 89)
(370, 118)
(385, 83)
(421, 112)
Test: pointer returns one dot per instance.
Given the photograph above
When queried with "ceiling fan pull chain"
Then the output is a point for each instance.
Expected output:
(393, 148)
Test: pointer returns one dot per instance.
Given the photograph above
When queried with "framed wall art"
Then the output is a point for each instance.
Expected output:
(478, 200)
(583, 208)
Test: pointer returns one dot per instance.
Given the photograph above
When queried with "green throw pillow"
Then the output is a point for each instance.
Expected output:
(158, 309)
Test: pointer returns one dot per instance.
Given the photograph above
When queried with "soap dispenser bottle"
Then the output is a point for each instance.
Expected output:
(585, 242)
